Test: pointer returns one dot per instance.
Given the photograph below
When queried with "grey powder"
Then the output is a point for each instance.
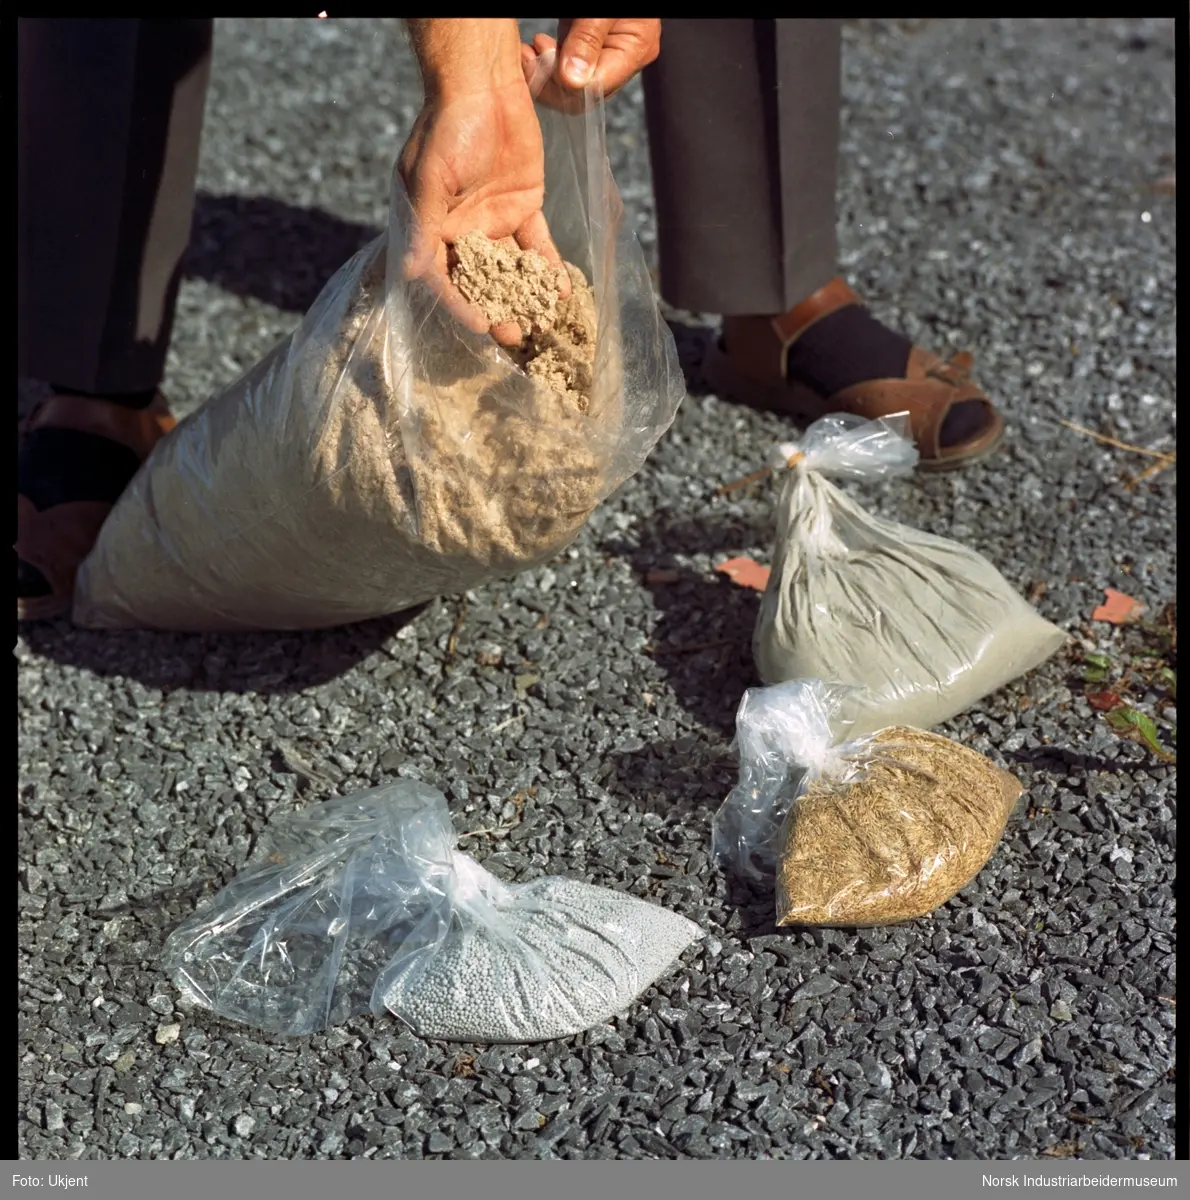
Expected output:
(925, 625)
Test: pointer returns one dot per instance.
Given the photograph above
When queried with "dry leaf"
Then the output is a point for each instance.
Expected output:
(745, 573)
(1103, 701)
(1117, 608)
(1063, 1150)
(1037, 590)
(657, 577)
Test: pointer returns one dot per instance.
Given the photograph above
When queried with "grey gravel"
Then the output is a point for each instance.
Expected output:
(995, 178)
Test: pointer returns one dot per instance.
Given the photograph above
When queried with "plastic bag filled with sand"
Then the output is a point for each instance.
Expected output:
(925, 626)
(383, 454)
(876, 830)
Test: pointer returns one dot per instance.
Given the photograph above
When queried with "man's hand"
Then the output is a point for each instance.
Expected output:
(596, 52)
(474, 159)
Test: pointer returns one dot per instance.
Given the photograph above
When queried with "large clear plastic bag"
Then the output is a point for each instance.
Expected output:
(382, 454)
(869, 830)
(362, 903)
(924, 626)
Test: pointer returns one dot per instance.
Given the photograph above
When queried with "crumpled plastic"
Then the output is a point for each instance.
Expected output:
(871, 830)
(362, 903)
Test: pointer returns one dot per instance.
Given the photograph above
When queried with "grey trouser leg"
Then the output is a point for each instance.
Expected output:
(743, 119)
(109, 120)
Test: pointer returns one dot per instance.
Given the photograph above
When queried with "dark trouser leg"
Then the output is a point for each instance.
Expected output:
(109, 116)
(743, 120)
(109, 120)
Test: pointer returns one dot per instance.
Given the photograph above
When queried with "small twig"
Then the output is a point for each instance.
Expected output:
(495, 830)
(452, 641)
(505, 724)
(755, 477)
(500, 830)
(1149, 472)
(1167, 455)
(293, 762)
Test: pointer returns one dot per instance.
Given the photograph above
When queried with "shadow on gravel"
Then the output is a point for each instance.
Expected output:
(268, 250)
(691, 340)
(684, 782)
(703, 639)
(256, 663)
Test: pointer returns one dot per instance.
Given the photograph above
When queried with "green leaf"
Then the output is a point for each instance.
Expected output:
(1167, 678)
(1096, 667)
(1130, 722)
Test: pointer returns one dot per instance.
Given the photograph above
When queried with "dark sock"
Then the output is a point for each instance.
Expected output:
(126, 399)
(851, 346)
(848, 347)
(59, 466)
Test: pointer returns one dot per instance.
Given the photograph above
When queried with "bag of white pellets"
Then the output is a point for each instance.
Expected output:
(364, 904)
(924, 626)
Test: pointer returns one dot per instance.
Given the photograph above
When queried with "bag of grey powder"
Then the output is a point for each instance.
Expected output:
(362, 903)
(872, 830)
(383, 454)
(924, 626)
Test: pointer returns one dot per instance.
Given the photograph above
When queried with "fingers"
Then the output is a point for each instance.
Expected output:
(596, 58)
(508, 333)
(617, 67)
(582, 43)
(427, 262)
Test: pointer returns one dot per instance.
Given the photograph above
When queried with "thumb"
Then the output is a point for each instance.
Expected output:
(582, 44)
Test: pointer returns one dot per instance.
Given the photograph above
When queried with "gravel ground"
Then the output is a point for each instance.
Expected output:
(997, 192)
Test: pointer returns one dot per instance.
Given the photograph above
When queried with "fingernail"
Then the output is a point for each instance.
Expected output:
(577, 71)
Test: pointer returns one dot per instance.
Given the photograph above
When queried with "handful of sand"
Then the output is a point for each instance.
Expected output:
(514, 286)
(382, 454)
(873, 831)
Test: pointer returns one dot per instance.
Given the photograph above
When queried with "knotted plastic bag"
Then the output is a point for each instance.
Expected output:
(362, 903)
(924, 626)
(873, 830)
(382, 454)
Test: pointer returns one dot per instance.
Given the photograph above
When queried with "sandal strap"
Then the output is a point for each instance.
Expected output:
(139, 429)
(928, 391)
(829, 298)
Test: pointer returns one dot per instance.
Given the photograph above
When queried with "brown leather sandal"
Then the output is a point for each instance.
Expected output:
(754, 374)
(55, 540)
